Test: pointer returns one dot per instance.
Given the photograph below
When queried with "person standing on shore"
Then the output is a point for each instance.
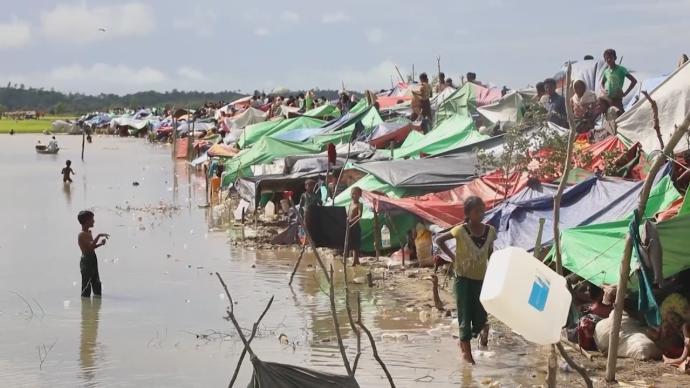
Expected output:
(354, 214)
(90, 279)
(474, 241)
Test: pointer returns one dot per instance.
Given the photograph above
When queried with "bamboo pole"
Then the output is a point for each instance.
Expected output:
(553, 357)
(83, 143)
(655, 118)
(627, 253)
(299, 260)
(377, 234)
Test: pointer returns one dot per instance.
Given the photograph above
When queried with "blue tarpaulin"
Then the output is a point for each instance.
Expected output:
(594, 200)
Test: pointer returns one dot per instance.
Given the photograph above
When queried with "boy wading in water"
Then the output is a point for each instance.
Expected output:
(66, 172)
(89, 263)
(474, 242)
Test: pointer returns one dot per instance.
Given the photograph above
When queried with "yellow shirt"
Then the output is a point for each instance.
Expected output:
(470, 261)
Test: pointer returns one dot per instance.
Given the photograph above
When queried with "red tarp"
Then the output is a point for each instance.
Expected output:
(398, 136)
(446, 208)
(389, 101)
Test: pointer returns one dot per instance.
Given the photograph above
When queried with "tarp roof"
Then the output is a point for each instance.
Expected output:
(344, 124)
(386, 132)
(453, 132)
(248, 117)
(323, 111)
(427, 172)
(594, 251)
(509, 108)
(254, 133)
(446, 208)
(264, 151)
(672, 97)
(594, 200)
(465, 100)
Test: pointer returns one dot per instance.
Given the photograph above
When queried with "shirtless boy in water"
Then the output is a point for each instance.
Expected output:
(89, 263)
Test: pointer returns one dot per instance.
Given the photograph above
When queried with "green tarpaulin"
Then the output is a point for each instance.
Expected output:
(403, 222)
(254, 133)
(326, 110)
(264, 151)
(454, 132)
(594, 252)
(462, 102)
(370, 120)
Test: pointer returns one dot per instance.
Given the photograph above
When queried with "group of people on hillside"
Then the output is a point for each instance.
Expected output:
(586, 104)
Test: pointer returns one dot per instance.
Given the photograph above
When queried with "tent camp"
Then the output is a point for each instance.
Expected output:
(248, 117)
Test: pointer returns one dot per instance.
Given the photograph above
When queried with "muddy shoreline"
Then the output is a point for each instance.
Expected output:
(412, 292)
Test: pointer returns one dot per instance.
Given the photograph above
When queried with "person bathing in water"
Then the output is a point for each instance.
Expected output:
(474, 241)
(67, 171)
(90, 280)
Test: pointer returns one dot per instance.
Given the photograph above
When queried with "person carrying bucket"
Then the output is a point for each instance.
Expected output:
(474, 241)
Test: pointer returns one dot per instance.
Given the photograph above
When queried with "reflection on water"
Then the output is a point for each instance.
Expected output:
(67, 189)
(88, 346)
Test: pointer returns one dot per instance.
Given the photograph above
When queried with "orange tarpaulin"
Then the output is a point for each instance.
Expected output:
(446, 208)
(181, 148)
(222, 150)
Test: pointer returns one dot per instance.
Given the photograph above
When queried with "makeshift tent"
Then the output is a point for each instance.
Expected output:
(672, 97)
(509, 108)
(595, 200)
(429, 173)
(342, 126)
(388, 132)
(323, 111)
(368, 118)
(465, 101)
(250, 188)
(446, 208)
(254, 132)
(252, 135)
(453, 132)
(248, 117)
(222, 150)
(594, 252)
(265, 151)
(401, 223)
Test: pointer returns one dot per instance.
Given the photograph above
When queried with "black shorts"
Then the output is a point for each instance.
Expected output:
(354, 240)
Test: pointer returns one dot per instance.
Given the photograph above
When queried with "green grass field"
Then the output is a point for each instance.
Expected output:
(30, 126)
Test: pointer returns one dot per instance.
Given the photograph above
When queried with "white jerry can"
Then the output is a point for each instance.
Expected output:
(526, 295)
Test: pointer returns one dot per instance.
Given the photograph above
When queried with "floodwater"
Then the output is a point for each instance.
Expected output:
(160, 321)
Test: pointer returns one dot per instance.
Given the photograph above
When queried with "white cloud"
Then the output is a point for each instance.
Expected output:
(262, 31)
(375, 35)
(190, 73)
(289, 16)
(14, 34)
(78, 23)
(200, 21)
(334, 17)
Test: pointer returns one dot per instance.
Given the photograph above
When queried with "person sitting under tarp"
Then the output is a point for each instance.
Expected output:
(309, 198)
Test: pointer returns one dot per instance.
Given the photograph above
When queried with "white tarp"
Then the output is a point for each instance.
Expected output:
(673, 101)
(248, 117)
(507, 109)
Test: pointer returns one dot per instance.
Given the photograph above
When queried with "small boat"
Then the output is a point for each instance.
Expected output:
(43, 149)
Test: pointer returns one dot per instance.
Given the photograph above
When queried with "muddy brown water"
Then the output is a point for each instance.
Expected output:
(159, 322)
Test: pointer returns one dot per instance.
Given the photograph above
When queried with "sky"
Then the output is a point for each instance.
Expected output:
(213, 45)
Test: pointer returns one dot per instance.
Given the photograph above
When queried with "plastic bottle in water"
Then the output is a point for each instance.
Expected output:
(385, 237)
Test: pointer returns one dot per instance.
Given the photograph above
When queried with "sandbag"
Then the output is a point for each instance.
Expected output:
(633, 342)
